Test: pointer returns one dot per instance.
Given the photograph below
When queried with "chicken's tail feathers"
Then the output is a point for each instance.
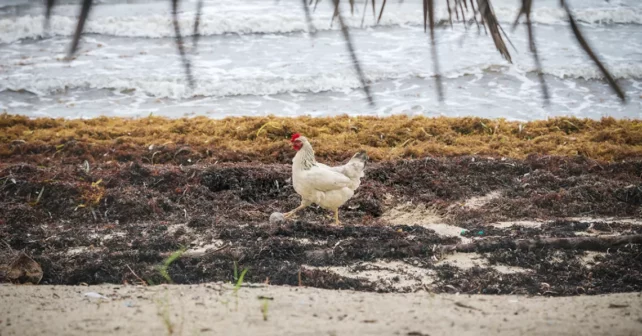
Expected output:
(361, 156)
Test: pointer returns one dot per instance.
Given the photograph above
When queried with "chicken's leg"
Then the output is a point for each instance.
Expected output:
(304, 204)
(336, 217)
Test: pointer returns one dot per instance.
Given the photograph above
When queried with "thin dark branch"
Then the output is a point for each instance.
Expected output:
(381, 11)
(353, 54)
(526, 9)
(472, 5)
(365, 9)
(315, 6)
(425, 10)
(179, 44)
(506, 36)
(450, 13)
(49, 7)
(84, 14)
(374, 10)
(334, 15)
(433, 48)
(308, 17)
(463, 16)
(197, 20)
(525, 4)
(584, 44)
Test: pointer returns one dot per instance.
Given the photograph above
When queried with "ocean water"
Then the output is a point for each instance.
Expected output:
(256, 57)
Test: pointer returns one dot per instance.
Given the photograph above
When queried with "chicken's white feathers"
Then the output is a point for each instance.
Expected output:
(329, 187)
(324, 179)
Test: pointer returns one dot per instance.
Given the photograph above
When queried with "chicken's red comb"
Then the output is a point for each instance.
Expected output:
(295, 136)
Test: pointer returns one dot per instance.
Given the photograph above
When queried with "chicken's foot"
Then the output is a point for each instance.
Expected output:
(303, 205)
(336, 217)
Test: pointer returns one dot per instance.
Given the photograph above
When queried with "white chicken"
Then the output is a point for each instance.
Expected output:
(328, 187)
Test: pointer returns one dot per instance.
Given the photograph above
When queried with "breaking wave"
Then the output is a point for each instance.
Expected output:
(239, 82)
(248, 22)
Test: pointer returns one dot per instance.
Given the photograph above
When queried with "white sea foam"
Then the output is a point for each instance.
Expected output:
(251, 22)
(249, 82)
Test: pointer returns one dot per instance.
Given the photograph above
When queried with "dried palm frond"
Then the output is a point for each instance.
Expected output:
(365, 8)
(353, 54)
(484, 9)
(450, 13)
(488, 16)
(589, 51)
(433, 46)
(308, 17)
(381, 12)
(526, 11)
(179, 44)
(84, 13)
(197, 20)
(48, 7)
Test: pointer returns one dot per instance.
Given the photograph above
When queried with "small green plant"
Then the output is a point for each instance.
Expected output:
(164, 313)
(162, 269)
(236, 271)
(264, 309)
(239, 282)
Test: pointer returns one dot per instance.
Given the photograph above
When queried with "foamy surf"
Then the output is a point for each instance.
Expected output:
(214, 22)
(254, 59)
(245, 82)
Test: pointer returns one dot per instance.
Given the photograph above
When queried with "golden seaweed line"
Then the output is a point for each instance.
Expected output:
(484, 10)
(265, 139)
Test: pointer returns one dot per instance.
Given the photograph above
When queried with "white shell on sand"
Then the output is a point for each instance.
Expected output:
(277, 218)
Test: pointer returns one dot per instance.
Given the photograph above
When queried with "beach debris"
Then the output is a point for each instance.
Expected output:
(277, 218)
(24, 270)
(94, 295)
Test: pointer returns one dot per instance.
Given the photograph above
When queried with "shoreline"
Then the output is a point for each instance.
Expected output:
(214, 309)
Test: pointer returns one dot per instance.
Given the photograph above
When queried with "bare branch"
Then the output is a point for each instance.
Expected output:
(425, 9)
(355, 60)
(374, 11)
(334, 15)
(84, 13)
(526, 4)
(308, 17)
(49, 6)
(179, 44)
(526, 10)
(433, 49)
(197, 20)
(365, 9)
(450, 13)
(463, 16)
(381, 12)
(472, 5)
(584, 44)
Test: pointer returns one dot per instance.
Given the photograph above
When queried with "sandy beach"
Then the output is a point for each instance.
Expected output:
(214, 309)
